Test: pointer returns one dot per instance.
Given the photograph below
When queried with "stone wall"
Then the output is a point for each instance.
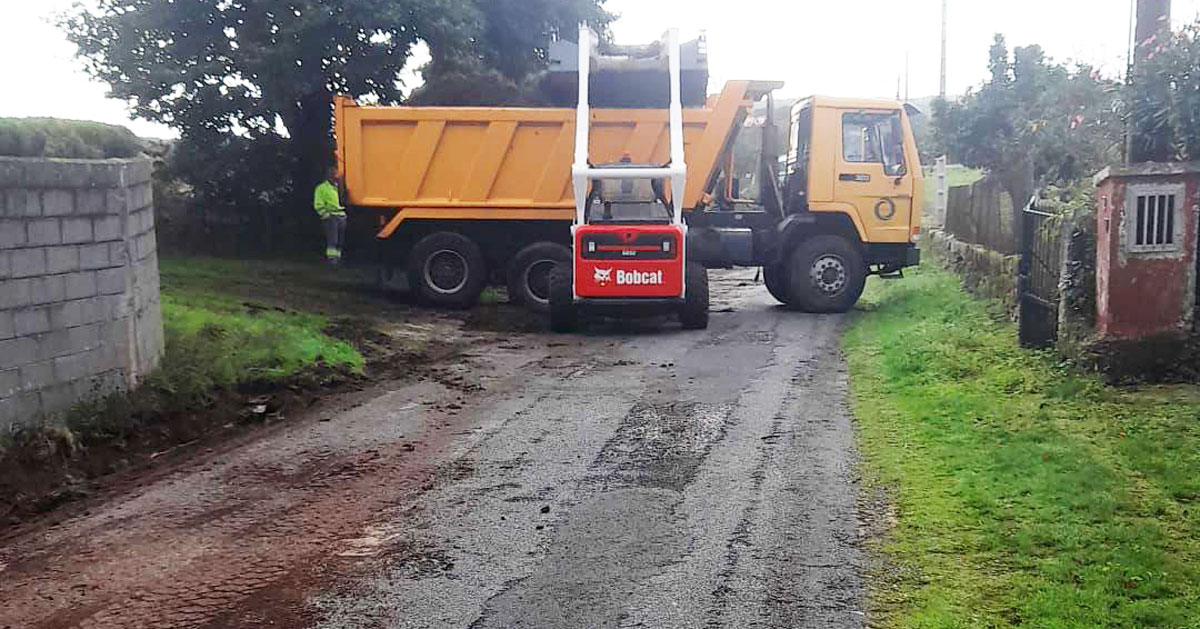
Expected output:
(984, 272)
(79, 293)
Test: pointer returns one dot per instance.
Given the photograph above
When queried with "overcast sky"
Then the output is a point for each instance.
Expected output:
(840, 48)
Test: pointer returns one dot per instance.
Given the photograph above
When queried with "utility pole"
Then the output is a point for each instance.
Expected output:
(1149, 141)
(942, 85)
(906, 76)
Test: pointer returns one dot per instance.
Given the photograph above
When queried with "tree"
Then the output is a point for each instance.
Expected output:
(249, 85)
(1184, 58)
(1034, 122)
(503, 66)
(1166, 99)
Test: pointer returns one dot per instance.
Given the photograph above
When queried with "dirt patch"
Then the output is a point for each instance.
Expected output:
(1160, 358)
(109, 443)
(45, 467)
(504, 318)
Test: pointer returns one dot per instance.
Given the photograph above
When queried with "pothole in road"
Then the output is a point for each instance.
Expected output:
(662, 445)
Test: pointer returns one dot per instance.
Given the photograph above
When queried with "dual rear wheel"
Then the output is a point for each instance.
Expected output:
(448, 269)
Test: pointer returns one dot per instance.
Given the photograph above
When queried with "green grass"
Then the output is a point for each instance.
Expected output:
(1023, 494)
(217, 342)
(255, 343)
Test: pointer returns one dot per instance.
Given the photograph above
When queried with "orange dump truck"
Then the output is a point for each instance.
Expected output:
(462, 196)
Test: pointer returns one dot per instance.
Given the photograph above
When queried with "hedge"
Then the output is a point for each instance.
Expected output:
(52, 137)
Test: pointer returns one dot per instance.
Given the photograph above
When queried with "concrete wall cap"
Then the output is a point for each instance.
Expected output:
(53, 172)
(1146, 169)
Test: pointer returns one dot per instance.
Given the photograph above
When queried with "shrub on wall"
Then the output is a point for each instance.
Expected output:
(51, 137)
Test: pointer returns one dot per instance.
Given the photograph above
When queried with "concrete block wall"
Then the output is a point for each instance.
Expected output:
(79, 287)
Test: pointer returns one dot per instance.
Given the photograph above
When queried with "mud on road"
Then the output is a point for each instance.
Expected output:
(634, 476)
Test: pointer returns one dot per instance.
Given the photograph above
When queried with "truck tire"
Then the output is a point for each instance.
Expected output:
(776, 279)
(564, 314)
(529, 274)
(447, 269)
(693, 314)
(827, 275)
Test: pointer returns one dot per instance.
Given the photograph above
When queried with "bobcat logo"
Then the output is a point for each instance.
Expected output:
(602, 276)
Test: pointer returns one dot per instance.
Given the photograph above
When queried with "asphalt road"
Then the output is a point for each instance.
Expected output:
(644, 477)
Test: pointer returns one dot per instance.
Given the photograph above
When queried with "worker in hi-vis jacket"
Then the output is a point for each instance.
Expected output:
(333, 216)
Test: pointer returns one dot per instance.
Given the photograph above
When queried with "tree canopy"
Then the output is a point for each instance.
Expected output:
(249, 85)
(1165, 94)
(1034, 122)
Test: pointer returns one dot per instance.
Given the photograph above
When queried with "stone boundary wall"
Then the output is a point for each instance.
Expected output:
(985, 273)
(79, 286)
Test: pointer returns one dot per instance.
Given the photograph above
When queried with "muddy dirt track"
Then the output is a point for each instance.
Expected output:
(624, 478)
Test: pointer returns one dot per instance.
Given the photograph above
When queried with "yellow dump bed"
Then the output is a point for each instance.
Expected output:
(513, 163)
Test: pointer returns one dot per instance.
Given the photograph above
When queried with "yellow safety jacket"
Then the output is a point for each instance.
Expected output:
(326, 202)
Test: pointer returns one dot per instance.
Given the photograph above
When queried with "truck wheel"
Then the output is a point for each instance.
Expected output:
(827, 275)
(693, 314)
(529, 274)
(447, 269)
(564, 314)
(776, 279)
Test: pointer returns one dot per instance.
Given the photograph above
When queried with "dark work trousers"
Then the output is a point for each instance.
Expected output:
(335, 234)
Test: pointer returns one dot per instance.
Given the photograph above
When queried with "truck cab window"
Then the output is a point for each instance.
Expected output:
(874, 138)
(799, 144)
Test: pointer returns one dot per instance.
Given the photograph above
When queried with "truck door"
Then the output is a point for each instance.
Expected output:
(871, 173)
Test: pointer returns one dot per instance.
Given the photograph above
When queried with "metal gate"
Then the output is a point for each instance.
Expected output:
(1038, 275)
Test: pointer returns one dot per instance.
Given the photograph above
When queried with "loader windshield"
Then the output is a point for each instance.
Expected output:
(620, 201)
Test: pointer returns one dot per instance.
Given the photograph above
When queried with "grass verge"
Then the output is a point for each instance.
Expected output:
(1023, 494)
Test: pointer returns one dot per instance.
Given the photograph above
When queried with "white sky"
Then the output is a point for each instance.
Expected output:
(840, 48)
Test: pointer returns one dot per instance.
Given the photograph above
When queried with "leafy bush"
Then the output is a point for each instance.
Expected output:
(1167, 98)
(51, 137)
(1034, 122)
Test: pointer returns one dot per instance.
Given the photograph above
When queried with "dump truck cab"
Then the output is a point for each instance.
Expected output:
(856, 157)
(840, 203)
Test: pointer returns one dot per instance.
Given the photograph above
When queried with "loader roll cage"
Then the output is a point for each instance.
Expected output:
(584, 175)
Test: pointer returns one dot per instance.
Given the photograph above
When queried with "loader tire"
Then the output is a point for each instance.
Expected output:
(828, 274)
(693, 314)
(775, 277)
(564, 314)
(529, 274)
(447, 269)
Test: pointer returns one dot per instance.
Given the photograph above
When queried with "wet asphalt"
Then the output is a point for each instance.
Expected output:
(639, 476)
(636, 475)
